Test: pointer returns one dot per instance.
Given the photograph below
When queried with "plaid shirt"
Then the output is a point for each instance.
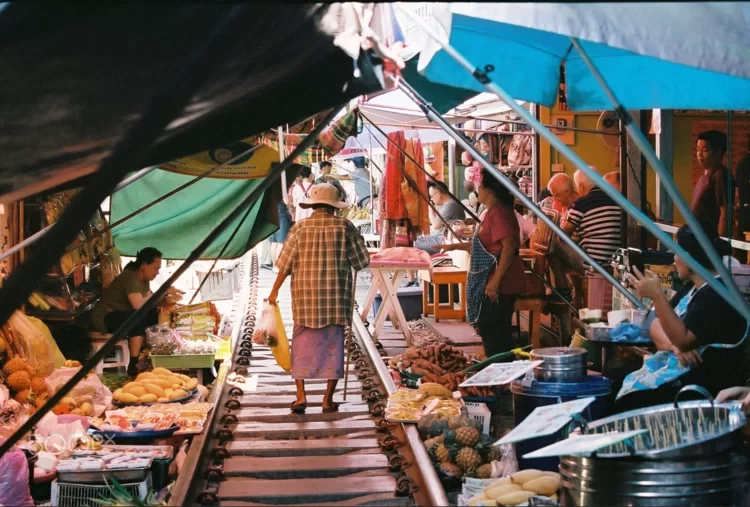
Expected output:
(319, 254)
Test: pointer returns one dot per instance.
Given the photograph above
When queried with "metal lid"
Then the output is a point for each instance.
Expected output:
(560, 355)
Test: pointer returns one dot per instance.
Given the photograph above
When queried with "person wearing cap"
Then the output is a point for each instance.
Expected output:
(327, 176)
(320, 254)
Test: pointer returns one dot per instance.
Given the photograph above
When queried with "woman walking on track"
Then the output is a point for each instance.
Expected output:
(320, 254)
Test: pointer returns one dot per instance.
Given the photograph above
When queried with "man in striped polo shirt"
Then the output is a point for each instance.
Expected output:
(597, 220)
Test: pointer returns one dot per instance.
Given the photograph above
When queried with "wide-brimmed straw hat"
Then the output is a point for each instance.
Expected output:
(324, 193)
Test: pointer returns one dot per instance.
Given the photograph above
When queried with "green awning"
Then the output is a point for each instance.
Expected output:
(443, 98)
(176, 225)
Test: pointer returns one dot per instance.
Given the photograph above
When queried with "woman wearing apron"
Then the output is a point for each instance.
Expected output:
(496, 273)
(700, 337)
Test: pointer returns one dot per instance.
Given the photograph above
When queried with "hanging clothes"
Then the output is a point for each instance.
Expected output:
(416, 206)
(391, 199)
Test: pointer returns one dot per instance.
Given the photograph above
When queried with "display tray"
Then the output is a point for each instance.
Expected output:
(98, 476)
(183, 361)
(159, 451)
(179, 400)
(123, 436)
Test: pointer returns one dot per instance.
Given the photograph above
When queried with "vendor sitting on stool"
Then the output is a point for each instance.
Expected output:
(700, 337)
(126, 294)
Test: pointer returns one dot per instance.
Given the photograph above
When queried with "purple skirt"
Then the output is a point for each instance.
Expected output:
(318, 353)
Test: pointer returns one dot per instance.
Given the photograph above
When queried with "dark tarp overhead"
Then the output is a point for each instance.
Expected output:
(442, 97)
(76, 77)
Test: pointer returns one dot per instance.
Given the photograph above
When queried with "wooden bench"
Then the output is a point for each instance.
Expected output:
(449, 276)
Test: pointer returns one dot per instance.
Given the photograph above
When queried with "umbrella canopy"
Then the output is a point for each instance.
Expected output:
(76, 77)
(668, 55)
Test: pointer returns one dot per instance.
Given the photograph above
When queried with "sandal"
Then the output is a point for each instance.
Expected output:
(329, 410)
(298, 408)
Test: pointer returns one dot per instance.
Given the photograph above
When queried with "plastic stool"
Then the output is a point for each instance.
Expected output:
(121, 352)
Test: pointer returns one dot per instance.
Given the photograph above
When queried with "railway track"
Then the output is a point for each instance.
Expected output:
(257, 453)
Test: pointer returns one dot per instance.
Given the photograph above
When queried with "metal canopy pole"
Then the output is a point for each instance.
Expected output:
(152, 301)
(282, 151)
(505, 181)
(482, 77)
(640, 140)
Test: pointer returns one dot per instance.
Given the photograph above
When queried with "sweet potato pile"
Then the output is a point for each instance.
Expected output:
(441, 357)
(439, 363)
(474, 391)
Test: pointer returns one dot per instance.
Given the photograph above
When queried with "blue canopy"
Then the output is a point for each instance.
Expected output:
(666, 55)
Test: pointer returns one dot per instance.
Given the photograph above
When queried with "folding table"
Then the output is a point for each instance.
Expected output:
(386, 276)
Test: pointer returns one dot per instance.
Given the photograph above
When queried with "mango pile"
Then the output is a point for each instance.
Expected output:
(159, 385)
(518, 488)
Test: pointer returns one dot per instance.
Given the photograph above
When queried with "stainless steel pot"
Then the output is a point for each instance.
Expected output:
(692, 454)
(561, 364)
(716, 479)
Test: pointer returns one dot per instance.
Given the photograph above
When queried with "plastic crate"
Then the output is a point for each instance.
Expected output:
(599, 293)
(65, 494)
(741, 277)
(225, 349)
(184, 361)
(480, 413)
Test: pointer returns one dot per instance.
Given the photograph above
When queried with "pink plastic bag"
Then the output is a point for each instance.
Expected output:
(14, 476)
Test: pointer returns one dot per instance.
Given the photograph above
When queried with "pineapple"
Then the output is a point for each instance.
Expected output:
(484, 471)
(38, 385)
(459, 421)
(467, 458)
(442, 453)
(450, 437)
(467, 436)
(449, 468)
(25, 397)
(14, 365)
(19, 381)
(433, 442)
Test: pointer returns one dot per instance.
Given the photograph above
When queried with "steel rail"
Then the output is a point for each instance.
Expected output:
(431, 481)
(151, 302)
(185, 483)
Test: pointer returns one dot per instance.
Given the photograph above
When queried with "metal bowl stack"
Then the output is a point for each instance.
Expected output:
(692, 454)
(561, 364)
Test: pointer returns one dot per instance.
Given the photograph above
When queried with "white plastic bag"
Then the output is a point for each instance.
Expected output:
(89, 386)
(271, 332)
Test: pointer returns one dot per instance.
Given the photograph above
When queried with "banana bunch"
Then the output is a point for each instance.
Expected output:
(37, 301)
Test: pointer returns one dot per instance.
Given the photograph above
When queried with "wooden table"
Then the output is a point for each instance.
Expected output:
(385, 279)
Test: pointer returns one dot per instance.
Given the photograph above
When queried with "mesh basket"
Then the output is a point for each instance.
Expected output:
(599, 293)
(65, 494)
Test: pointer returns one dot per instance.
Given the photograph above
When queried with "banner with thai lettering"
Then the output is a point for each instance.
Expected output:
(258, 163)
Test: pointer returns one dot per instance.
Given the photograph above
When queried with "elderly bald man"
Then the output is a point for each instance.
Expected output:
(563, 194)
(597, 220)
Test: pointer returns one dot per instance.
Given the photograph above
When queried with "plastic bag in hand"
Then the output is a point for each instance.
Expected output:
(270, 332)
